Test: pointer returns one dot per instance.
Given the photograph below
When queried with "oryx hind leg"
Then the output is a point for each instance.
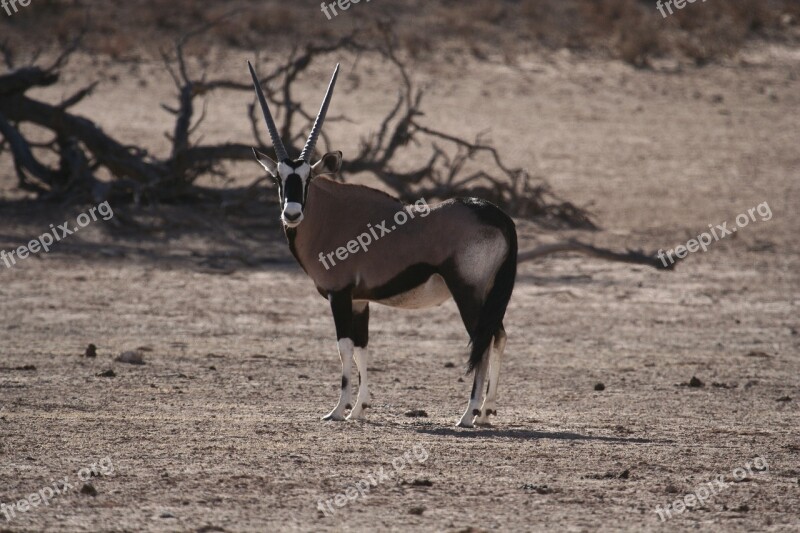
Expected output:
(489, 406)
(360, 335)
(482, 283)
(469, 306)
(477, 395)
(342, 308)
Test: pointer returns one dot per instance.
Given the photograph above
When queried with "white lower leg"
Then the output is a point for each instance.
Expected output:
(345, 398)
(490, 403)
(361, 356)
(476, 398)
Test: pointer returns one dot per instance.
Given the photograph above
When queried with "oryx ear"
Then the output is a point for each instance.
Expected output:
(269, 165)
(331, 163)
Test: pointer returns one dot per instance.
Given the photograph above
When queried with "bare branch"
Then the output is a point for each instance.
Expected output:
(24, 159)
(200, 119)
(168, 65)
(20, 80)
(65, 54)
(78, 96)
(255, 124)
(8, 54)
(170, 110)
(631, 256)
(107, 151)
(180, 136)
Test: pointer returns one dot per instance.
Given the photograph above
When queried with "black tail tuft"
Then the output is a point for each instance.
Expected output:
(494, 309)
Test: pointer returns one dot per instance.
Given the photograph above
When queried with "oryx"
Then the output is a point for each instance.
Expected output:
(464, 248)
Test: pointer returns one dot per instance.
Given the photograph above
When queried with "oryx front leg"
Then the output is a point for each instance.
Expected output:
(341, 305)
(360, 333)
(346, 355)
(362, 400)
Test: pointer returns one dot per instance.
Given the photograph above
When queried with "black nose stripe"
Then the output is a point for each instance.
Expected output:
(294, 189)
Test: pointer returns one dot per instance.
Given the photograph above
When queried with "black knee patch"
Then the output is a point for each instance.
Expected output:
(348, 406)
(476, 412)
(342, 309)
(360, 332)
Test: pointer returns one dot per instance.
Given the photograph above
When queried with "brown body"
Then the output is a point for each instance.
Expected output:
(446, 237)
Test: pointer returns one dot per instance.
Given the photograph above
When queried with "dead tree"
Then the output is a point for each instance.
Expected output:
(82, 148)
(454, 166)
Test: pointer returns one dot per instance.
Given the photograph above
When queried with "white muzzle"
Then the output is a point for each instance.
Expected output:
(292, 214)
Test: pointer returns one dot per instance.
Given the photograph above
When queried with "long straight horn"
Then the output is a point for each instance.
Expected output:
(308, 150)
(280, 151)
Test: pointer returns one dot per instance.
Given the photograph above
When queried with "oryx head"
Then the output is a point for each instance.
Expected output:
(294, 175)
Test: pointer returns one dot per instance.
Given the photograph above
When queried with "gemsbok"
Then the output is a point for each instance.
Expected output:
(465, 249)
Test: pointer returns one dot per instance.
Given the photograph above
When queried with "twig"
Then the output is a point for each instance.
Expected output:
(78, 96)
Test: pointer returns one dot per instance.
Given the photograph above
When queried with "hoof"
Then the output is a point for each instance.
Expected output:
(334, 417)
(464, 424)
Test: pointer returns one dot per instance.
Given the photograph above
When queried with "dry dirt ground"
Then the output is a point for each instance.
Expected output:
(220, 429)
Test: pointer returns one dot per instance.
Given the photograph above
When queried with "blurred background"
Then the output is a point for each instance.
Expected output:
(624, 29)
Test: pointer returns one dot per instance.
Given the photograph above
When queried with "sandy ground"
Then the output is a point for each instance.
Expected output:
(220, 429)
